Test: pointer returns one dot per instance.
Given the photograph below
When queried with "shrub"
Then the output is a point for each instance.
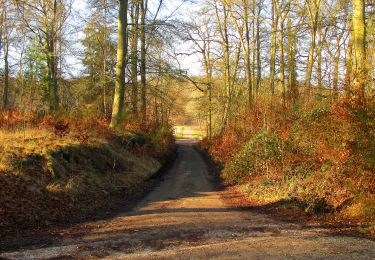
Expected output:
(321, 154)
(162, 140)
(254, 157)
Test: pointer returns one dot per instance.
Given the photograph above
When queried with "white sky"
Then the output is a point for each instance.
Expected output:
(179, 9)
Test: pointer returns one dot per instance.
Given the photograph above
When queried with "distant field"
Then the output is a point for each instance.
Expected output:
(189, 132)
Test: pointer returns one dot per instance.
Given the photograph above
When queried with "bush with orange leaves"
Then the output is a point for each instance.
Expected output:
(12, 118)
(323, 156)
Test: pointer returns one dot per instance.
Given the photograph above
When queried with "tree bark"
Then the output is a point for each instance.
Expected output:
(253, 42)
(259, 64)
(143, 7)
(313, 7)
(134, 56)
(273, 47)
(282, 13)
(5, 100)
(319, 59)
(359, 44)
(292, 63)
(249, 83)
(122, 47)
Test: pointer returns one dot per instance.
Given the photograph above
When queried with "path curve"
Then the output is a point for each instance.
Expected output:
(186, 218)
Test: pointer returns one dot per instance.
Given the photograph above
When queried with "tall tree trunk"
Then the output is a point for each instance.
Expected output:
(319, 58)
(134, 56)
(249, 84)
(52, 75)
(253, 42)
(208, 70)
(336, 76)
(2, 5)
(51, 39)
(337, 54)
(282, 63)
(359, 44)
(104, 52)
(273, 47)
(143, 7)
(259, 64)
(5, 101)
(348, 67)
(313, 7)
(292, 63)
(227, 64)
(122, 47)
(223, 29)
(21, 74)
(104, 82)
(244, 35)
(310, 62)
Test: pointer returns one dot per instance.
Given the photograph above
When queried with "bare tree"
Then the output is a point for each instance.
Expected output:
(122, 49)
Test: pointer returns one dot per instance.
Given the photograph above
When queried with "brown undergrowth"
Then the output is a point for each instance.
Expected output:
(55, 170)
(319, 160)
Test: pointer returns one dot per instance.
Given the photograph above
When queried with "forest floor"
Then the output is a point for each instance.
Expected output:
(190, 216)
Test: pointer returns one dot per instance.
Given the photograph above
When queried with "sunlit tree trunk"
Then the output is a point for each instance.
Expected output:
(244, 35)
(104, 72)
(5, 31)
(273, 47)
(52, 75)
(2, 6)
(134, 55)
(359, 46)
(143, 7)
(259, 62)
(224, 33)
(336, 65)
(319, 58)
(282, 12)
(227, 74)
(348, 67)
(292, 63)
(52, 61)
(313, 7)
(118, 101)
(253, 43)
(282, 65)
(208, 70)
(249, 84)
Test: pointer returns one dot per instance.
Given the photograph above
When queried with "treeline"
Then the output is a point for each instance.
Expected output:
(120, 48)
(292, 49)
(288, 100)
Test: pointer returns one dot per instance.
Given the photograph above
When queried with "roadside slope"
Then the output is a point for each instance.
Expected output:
(48, 180)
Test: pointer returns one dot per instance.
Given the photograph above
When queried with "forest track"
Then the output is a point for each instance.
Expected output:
(185, 217)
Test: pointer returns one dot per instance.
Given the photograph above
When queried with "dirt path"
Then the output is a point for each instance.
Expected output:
(185, 218)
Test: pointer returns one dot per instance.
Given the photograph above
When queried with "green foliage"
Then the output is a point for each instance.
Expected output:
(260, 150)
(364, 141)
(162, 139)
(36, 69)
(317, 113)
